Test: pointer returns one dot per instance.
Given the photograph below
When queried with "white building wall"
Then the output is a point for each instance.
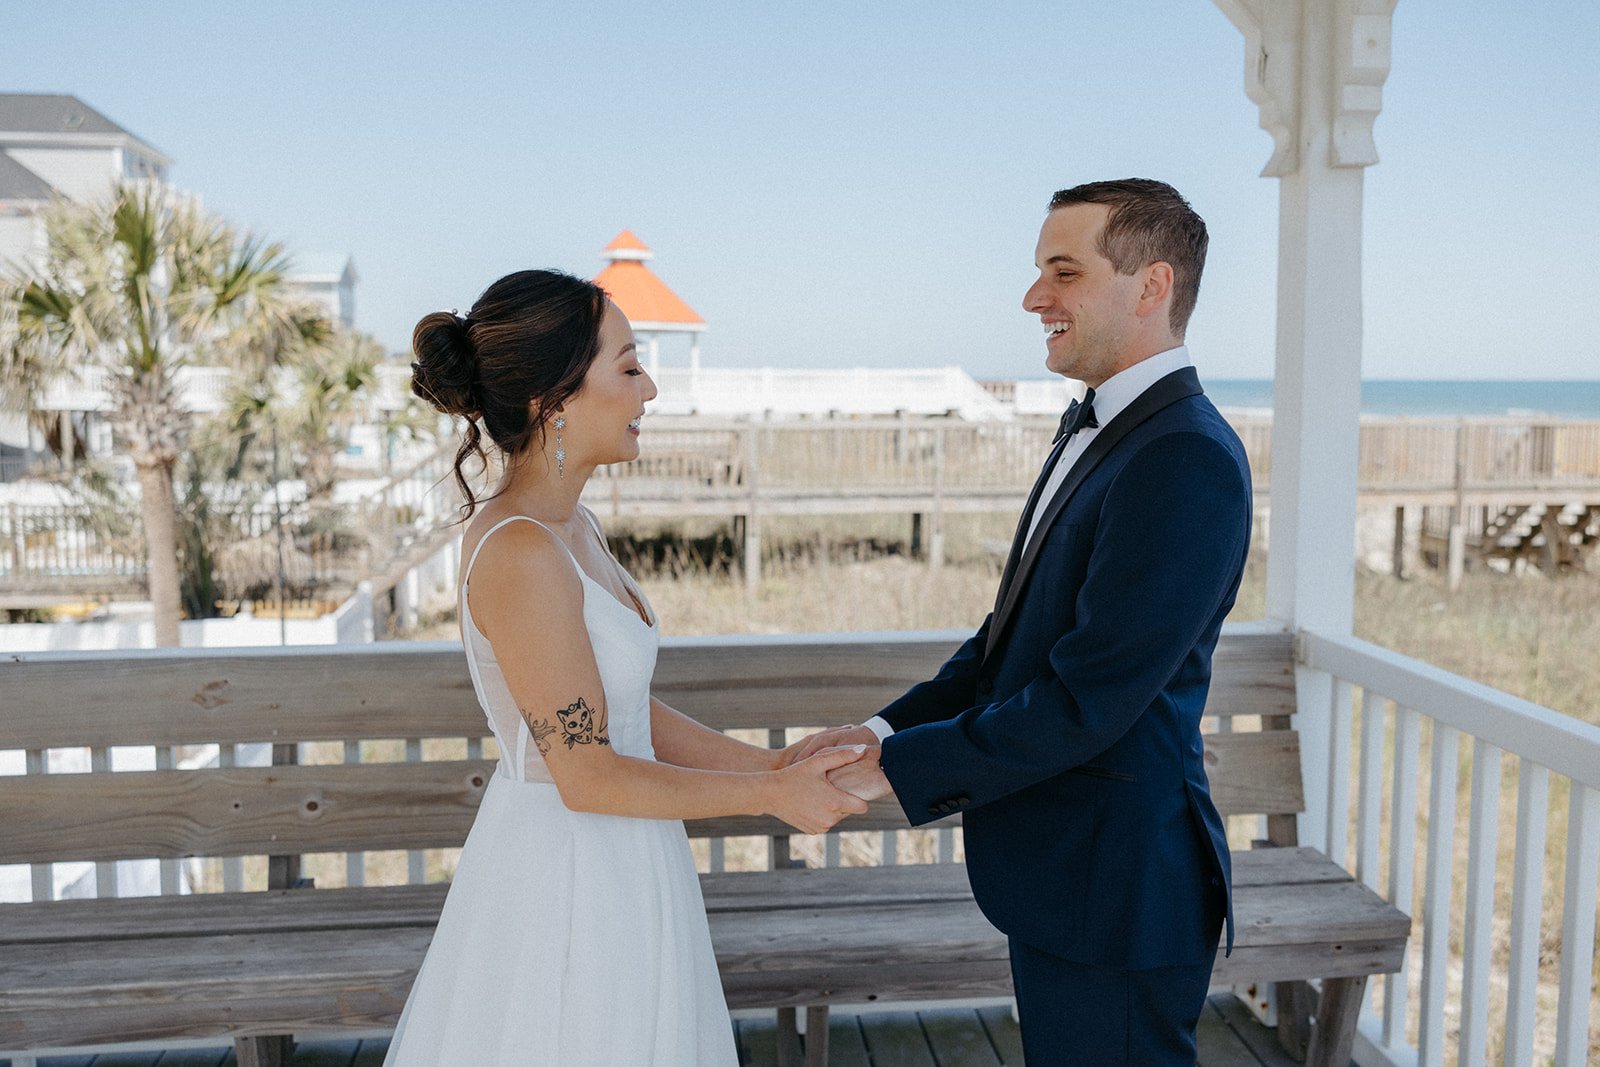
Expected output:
(80, 173)
(336, 298)
(21, 239)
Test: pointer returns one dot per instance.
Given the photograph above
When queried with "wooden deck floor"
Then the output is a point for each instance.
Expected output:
(943, 1037)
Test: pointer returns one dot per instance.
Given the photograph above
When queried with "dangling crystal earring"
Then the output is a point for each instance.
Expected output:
(561, 453)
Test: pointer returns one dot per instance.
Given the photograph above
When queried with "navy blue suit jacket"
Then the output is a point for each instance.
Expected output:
(1067, 729)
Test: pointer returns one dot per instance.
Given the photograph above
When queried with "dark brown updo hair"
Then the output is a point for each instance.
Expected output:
(531, 336)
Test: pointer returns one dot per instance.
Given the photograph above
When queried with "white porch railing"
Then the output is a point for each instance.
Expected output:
(1498, 963)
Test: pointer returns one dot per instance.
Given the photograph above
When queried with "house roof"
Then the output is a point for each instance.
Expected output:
(322, 266)
(58, 113)
(643, 297)
(19, 183)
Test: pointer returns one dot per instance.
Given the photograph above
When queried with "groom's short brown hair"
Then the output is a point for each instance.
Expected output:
(1150, 222)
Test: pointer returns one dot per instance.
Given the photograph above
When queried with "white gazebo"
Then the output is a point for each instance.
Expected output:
(1316, 69)
(650, 305)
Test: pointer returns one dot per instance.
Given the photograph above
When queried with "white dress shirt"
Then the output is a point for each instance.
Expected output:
(1110, 400)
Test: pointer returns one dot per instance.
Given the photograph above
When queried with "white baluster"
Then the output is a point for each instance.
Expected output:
(1369, 819)
(1402, 875)
(1577, 927)
(1481, 855)
(1436, 893)
(1339, 771)
(1527, 895)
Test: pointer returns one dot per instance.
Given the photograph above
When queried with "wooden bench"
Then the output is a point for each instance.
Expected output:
(256, 965)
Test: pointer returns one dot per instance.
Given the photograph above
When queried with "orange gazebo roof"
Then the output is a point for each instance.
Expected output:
(642, 296)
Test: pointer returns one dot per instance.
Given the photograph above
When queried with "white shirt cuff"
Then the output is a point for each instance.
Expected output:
(878, 726)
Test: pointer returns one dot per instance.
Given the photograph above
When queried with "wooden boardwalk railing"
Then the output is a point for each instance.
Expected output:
(927, 468)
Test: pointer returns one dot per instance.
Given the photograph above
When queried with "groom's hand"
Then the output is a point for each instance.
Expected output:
(837, 737)
(864, 778)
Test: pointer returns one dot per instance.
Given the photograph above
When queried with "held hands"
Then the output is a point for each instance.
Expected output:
(837, 736)
(805, 797)
(864, 778)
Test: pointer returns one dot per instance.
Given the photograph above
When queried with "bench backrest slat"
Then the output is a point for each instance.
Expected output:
(393, 690)
(243, 811)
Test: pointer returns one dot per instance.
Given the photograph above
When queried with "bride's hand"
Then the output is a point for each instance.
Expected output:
(802, 796)
(806, 747)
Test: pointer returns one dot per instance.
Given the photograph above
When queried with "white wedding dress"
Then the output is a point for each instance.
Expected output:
(568, 939)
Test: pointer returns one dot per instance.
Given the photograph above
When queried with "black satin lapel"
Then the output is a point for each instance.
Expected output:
(1165, 392)
(1015, 555)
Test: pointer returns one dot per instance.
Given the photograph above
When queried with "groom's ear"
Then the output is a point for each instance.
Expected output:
(1157, 292)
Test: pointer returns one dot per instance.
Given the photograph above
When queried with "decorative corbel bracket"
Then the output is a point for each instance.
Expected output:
(1272, 73)
(1363, 34)
(1276, 33)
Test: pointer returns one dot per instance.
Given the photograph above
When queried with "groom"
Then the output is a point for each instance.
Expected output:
(1067, 729)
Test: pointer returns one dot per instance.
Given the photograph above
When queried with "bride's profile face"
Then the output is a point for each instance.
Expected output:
(603, 415)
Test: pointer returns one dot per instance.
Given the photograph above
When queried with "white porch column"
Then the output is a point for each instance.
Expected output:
(1316, 68)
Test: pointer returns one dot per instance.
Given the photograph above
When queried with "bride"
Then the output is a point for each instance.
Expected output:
(574, 933)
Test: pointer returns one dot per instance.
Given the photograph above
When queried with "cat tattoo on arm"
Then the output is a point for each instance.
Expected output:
(580, 724)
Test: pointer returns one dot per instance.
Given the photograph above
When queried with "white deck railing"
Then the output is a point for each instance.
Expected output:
(1496, 962)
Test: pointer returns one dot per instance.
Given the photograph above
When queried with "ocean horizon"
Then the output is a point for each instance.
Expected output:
(1425, 398)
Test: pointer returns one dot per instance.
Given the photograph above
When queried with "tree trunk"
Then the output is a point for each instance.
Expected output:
(158, 509)
(320, 474)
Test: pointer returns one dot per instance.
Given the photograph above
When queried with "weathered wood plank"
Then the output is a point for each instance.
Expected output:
(194, 1057)
(1267, 907)
(421, 689)
(846, 1045)
(1004, 1033)
(756, 1039)
(372, 1053)
(235, 811)
(895, 1039)
(240, 810)
(325, 1054)
(1262, 1042)
(1285, 866)
(192, 987)
(330, 980)
(957, 1038)
(1255, 773)
(1218, 1045)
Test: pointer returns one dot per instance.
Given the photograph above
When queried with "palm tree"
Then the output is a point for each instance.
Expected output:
(129, 292)
(314, 399)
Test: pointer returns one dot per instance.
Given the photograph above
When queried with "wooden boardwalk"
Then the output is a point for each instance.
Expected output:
(932, 1037)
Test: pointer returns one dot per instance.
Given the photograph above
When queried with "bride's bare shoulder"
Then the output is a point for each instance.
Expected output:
(518, 562)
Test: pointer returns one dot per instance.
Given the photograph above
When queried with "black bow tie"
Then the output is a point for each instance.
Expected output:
(1078, 415)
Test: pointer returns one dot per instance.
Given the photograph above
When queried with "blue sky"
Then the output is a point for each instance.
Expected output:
(846, 184)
